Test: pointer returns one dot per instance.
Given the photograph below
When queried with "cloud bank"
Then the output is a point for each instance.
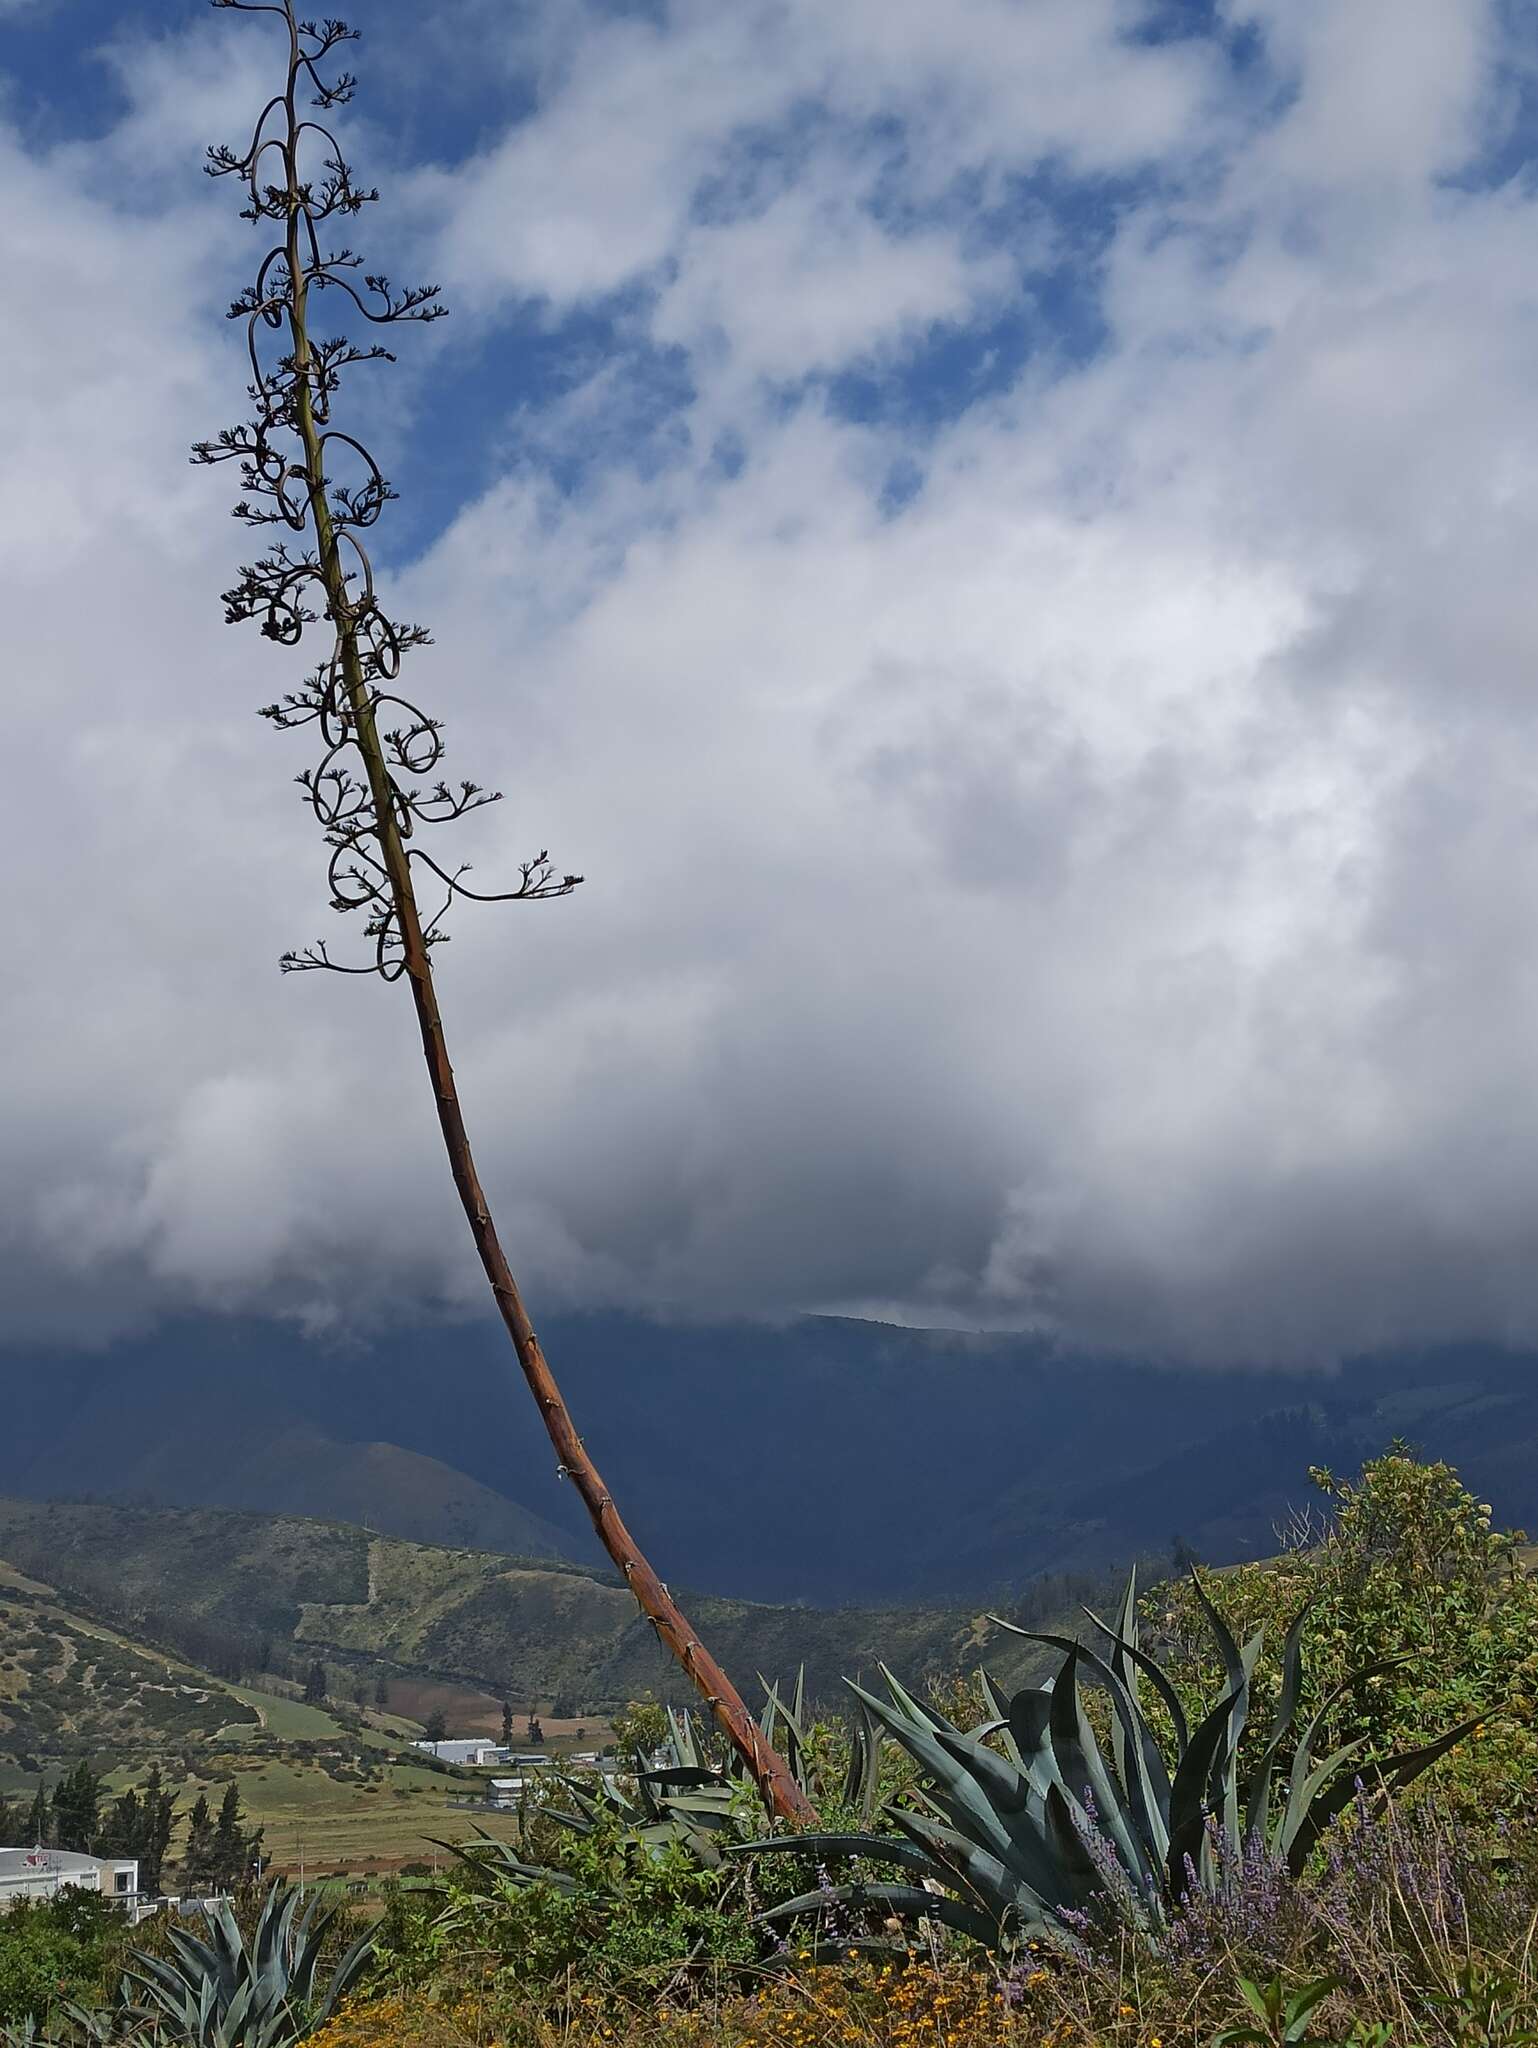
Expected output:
(999, 541)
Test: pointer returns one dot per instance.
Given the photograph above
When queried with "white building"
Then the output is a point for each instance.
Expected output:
(41, 1873)
(510, 1793)
(472, 1753)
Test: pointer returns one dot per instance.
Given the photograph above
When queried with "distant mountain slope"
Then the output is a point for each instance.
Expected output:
(535, 1629)
(381, 1486)
(824, 1461)
(70, 1687)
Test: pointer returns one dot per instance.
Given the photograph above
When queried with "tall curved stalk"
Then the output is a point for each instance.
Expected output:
(363, 791)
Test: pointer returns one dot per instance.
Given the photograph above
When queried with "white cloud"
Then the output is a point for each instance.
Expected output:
(1100, 893)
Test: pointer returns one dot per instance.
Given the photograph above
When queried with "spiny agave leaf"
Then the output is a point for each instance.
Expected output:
(1303, 1799)
(1015, 1837)
(1228, 1649)
(1126, 1625)
(710, 1799)
(1030, 1728)
(902, 1902)
(1224, 1790)
(232, 2018)
(823, 1951)
(1079, 1878)
(158, 1978)
(998, 1706)
(272, 1928)
(1238, 1665)
(1082, 1768)
(681, 1736)
(882, 1848)
(1258, 1804)
(346, 1974)
(1396, 1772)
(862, 1782)
(202, 1961)
(920, 1710)
(1006, 1787)
(997, 1888)
(689, 1775)
(790, 1720)
(506, 1864)
(1150, 1670)
(1142, 1769)
(1188, 1793)
(1391, 1774)
(1124, 1753)
(1303, 1755)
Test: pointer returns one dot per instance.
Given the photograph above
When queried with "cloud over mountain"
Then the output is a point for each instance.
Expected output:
(998, 541)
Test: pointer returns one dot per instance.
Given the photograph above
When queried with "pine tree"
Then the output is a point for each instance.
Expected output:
(197, 1855)
(507, 1724)
(122, 1831)
(536, 1733)
(315, 1684)
(76, 1809)
(158, 1823)
(233, 1848)
(39, 1829)
(10, 1823)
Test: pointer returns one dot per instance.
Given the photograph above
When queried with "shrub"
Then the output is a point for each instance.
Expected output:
(66, 1947)
(1404, 1563)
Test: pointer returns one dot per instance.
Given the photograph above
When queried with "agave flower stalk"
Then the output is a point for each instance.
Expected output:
(378, 748)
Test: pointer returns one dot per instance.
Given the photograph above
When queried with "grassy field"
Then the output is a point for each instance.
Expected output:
(362, 1830)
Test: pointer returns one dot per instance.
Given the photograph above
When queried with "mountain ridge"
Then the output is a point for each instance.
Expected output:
(825, 1461)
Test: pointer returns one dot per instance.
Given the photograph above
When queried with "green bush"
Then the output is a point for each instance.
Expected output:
(610, 1907)
(1404, 1563)
(66, 1947)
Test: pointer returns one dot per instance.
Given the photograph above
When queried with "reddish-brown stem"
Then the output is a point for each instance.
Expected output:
(779, 1788)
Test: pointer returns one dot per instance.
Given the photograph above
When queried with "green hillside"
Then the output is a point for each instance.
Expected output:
(69, 1686)
(530, 1629)
(332, 1786)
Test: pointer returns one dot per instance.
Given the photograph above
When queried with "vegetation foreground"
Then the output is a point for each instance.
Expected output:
(1287, 1803)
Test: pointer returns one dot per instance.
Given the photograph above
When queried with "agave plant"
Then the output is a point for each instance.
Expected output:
(1026, 1827)
(686, 1800)
(224, 1993)
(77, 2026)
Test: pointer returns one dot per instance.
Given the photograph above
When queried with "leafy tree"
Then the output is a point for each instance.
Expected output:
(76, 1809)
(1404, 1563)
(381, 1691)
(436, 1727)
(536, 1733)
(640, 1729)
(376, 792)
(315, 1684)
(11, 1819)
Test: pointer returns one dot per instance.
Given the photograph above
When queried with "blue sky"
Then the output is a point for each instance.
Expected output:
(996, 538)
